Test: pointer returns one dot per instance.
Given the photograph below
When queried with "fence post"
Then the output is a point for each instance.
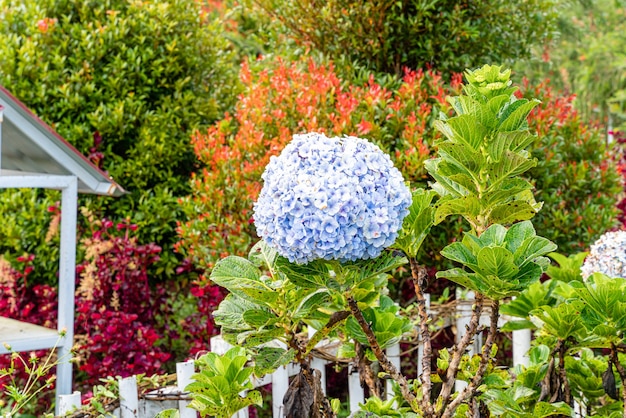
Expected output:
(69, 403)
(184, 371)
(355, 391)
(129, 400)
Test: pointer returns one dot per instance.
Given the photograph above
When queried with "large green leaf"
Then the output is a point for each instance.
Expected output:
(467, 130)
(229, 314)
(468, 206)
(532, 248)
(496, 261)
(313, 275)
(242, 278)
(363, 270)
(257, 318)
(417, 223)
(513, 211)
(465, 160)
(460, 276)
(562, 321)
(514, 117)
(268, 359)
(511, 164)
(517, 234)
(445, 185)
(536, 295)
(262, 255)
(460, 253)
(502, 192)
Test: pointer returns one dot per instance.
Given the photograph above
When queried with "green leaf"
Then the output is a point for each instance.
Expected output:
(459, 276)
(515, 115)
(268, 359)
(468, 206)
(257, 318)
(460, 253)
(512, 164)
(242, 278)
(229, 314)
(503, 191)
(465, 129)
(313, 275)
(360, 271)
(510, 212)
(465, 160)
(417, 223)
(532, 248)
(262, 255)
(311, 303)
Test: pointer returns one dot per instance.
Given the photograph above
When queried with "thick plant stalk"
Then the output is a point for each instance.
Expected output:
(407, 394)
(622, 375)
(470, 390)
(418, 275)
(567, 392)
(459, 350)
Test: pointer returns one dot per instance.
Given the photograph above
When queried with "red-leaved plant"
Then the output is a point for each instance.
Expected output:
(116, 322)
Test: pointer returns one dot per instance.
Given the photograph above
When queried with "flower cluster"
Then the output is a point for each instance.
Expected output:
(331, 198)
(607, 256)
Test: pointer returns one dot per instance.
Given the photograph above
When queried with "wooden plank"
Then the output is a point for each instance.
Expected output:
(22, 336)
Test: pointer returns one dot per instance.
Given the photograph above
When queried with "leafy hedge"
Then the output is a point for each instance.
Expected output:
(126, 82)
(447, 35)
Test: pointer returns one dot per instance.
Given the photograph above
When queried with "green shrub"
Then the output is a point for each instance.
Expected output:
(387, 36)
(576, 178)
(126, 82)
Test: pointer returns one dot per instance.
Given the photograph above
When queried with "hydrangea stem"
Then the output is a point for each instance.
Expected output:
(460, 348)
(407, 394)
(470, 390)
(418, 275)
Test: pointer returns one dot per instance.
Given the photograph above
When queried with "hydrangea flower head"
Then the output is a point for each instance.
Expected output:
(607, 256)
(330, 198)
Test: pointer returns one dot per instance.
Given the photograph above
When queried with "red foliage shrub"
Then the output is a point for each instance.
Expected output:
(116, 322)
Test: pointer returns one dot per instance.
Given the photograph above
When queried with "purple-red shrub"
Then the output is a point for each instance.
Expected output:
(116, 309)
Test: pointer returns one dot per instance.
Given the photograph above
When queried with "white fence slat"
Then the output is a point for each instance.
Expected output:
(521, 345)
(318, 363)
(420, 346)
(69, 403)
(129, 400)
(219, 345)
(393, 354)
(355, 391)
(280, 385)
(184, 371)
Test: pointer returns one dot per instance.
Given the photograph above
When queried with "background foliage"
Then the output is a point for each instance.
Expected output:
(386, 36)
(126, 82)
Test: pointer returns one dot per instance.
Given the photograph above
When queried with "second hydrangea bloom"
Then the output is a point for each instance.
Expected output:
(331, 198)
(607, 256)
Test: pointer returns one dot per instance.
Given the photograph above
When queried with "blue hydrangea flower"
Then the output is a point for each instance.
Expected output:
(607, 256)
(330, 198)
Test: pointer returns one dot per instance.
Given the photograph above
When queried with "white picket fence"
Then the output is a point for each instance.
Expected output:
(148, 405)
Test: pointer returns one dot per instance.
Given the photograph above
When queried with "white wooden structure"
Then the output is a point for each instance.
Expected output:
(33, 155)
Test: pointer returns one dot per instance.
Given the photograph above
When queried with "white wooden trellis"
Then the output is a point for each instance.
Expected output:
(33, 155)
